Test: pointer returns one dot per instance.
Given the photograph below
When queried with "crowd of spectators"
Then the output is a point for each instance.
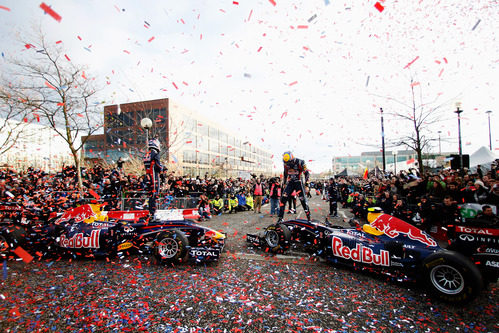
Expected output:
(432, 199)
(429, 199)
(46, 193)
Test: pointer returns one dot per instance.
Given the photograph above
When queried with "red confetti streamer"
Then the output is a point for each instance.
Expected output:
(79, 115)
(150, 39)
(175, 85)
(94, 194)
(235, 3)
(14, 312)
(25, 256)
(272, 2)
(5, 8)
(302, 27)
(284, 114)
(59, 42)
(259, 49)
(293, 83)
(407, 66)
(379, 7)
(50, 86)
(51, 12)
(67, 57)
(249, 16)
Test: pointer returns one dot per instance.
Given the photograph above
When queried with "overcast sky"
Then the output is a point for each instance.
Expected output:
(309, 76)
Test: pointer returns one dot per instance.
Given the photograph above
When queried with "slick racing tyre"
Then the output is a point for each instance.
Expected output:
(451, 277)
(277, 238)
(170, 247)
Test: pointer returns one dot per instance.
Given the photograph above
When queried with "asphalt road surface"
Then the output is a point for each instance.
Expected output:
(246, 291)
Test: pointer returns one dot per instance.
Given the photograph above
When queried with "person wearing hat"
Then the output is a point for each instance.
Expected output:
(153, 168)
(481, 192)
(293, 170)
(217, 204)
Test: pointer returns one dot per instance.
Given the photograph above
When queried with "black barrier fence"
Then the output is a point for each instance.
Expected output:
(139, 200)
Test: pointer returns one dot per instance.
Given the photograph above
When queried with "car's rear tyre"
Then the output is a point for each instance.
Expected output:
(170, 247)
(277, 238)
(451, 277)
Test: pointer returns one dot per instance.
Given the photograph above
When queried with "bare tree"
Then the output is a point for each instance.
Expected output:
(421, 116)
(59, 91)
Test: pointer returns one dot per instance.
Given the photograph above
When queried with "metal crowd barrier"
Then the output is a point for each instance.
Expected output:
(138, 200)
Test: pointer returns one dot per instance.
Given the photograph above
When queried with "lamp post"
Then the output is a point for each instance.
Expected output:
(490, 137)
(146, 124)
(383, 141)
(459, 111)
(439, 145)
(395, 161)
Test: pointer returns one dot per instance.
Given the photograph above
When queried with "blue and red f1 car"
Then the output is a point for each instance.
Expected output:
(85, 231)
(386, 245)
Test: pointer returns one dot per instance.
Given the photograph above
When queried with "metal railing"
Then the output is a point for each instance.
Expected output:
(134, 200)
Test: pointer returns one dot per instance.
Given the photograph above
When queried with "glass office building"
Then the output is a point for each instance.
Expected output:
(196, 145)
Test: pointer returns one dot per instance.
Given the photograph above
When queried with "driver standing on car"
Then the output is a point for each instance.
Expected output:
(153, 168)
(293, 169)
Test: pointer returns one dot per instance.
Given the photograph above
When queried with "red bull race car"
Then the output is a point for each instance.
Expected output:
(389, 246)
(86, 231)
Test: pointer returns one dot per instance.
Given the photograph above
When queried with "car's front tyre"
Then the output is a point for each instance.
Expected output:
(277, 238)
(451, 277)
(170, 247)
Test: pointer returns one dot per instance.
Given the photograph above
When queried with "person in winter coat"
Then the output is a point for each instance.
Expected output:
(217, 204)
(275, 195)
(258, 191)
(332, 195)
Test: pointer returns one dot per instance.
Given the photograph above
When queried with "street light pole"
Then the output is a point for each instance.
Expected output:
(490, 137)
(439, 145)
(459, 111)
(146, 124)
(395, 162)
(383, 141)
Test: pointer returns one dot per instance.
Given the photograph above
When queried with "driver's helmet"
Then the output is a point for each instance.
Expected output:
(373, 213)
(154, 144)
(287, 156)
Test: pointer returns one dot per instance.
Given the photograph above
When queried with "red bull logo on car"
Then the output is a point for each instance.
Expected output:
(80, 241)
(394, 227)
(360, 253)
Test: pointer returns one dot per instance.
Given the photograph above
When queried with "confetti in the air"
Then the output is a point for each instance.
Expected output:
(51, 12)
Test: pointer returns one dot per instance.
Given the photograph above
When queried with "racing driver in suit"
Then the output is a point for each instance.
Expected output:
(153, 168)
(293, 169)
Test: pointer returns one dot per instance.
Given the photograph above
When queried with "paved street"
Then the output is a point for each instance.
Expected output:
(246, 291)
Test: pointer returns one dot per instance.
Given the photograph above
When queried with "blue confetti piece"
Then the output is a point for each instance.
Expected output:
(5, 269)
(326, 2)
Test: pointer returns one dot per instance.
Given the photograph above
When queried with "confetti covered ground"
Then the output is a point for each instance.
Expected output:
(245, 292)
